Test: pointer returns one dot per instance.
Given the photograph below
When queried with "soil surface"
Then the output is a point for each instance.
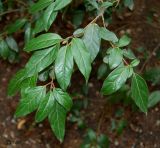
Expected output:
(142, 131)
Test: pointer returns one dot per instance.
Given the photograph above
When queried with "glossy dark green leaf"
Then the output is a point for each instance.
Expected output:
(62, 98)
(39, 26)
(12, 44)
(92, 40)
(64, 66)
(115, 57)
(45, 107)
(81, 57)
(42, 41)
(40, 5)
(18, 24)
(154, 99)
(30, 100)
(49, 16)
(115, 80)
(41, 59)
(4, 49)
(57, 120)
(124, 41)
(20, 80)
(108, 35)
(59, 4)
(140, 92)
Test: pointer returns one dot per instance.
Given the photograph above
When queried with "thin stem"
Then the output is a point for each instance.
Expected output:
(52, 85)
(113, 46)
(65, 41)
(103, 21)
(94, 20)
(125, 62)
(118, 1)
(47, 84)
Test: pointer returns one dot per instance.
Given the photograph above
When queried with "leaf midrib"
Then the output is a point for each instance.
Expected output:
(139, 92)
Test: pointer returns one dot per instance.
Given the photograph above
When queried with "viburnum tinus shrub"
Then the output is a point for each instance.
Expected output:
(56, 57)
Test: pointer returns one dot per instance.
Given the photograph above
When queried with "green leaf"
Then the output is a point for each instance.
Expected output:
(121, 125)
(91, 134)
(57, 120)
(93, 3)
(135, 62)
(4, 49)
(41, 59)
(115, 80)
(129, 4)
(79, 32)
(40, 5)
(106, 59)
(81, 57)
(154, 99)
(103, 141)
(63, 98)
(102, 71)
(106, 5)
(139, 92)
(28, 33)
(13, 57)
(12, 44)
(64, 66)
(45, 107)
(43, 76)
(42, 41)
(108, 35)
(129, 54)
(92, 40)
(39, 25)
(124, 41)
(18, 24)
(20, 80)
(30, 100)
(115, 57)
(59, 4)
(130, 71)
(49, 16)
